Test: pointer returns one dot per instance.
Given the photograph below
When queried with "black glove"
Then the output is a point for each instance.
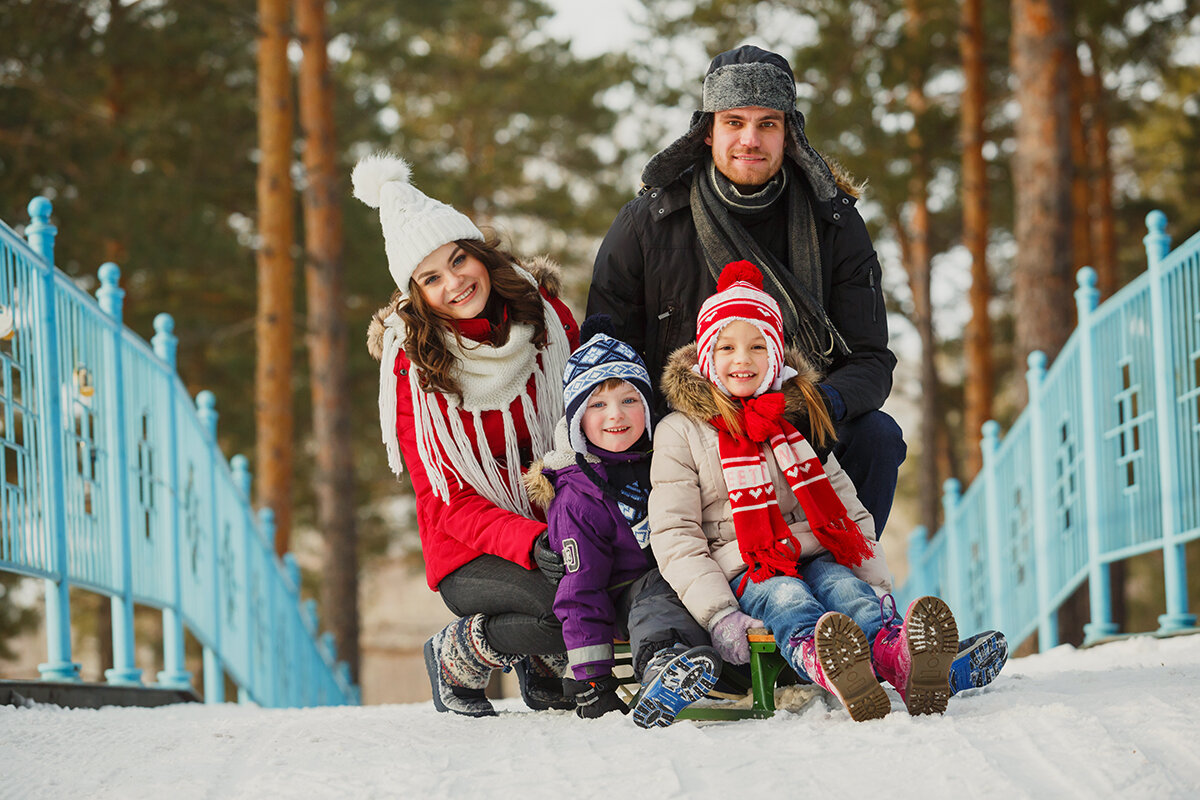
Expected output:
(594, 698)
(547, 560)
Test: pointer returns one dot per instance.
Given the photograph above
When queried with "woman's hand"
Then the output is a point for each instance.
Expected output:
(548, 561)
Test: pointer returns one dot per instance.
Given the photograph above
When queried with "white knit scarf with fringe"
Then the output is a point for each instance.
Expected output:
(491, 379)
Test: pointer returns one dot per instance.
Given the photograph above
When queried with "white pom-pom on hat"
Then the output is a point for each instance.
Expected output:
(413, 225)
(371, 173)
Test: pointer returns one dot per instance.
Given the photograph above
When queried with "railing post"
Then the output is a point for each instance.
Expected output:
(268, 693)
(292, 568)
(1158, 244)
(214, 674)
(992, 527)
(173, 675)
(111, 298)
(918, 573)
(955, 595)
(58, 666)
(1099, 585)
(239, 466)
(1039, 445)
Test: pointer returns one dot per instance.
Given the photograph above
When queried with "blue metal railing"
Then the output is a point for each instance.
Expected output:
(1102, 465)
(113, 482)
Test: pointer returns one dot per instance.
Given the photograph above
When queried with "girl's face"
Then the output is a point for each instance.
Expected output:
(740, 358)
(615, 418)
(453, 284)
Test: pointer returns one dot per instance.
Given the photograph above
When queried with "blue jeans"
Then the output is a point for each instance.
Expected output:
(790, 607)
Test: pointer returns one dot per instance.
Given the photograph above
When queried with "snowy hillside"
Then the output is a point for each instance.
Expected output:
(1121, 720)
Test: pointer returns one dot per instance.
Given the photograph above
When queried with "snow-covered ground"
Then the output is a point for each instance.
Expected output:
(1120, 720)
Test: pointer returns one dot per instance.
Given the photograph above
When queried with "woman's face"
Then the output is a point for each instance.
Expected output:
(452, 283)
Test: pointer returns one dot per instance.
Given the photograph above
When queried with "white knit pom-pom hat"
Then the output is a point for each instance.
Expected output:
(414, 225)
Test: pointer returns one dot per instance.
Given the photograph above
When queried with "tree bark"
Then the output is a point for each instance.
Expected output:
(1103, 229)
(917, 261)
(333, 473)
(1081, 239)
(980, 370)
(276, 273)
(1042, 283)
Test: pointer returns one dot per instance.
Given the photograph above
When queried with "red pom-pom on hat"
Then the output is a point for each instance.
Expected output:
(737, 271)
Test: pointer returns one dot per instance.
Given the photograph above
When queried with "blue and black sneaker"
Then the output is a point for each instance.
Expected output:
(979, 661)
(675, 678)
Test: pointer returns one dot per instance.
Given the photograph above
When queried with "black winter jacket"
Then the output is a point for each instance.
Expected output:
(650, 277)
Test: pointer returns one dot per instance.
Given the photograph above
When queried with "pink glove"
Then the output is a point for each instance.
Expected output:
(729, 637)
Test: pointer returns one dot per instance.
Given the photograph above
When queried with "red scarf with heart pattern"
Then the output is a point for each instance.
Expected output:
(767, 545)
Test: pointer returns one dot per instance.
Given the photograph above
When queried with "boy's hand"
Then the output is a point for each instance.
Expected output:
(548, 561)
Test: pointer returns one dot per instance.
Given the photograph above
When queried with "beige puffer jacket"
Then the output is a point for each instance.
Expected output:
(691, 518)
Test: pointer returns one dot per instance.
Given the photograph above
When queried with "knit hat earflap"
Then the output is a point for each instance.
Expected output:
(600, 357)
(413, 225)
(740, 297)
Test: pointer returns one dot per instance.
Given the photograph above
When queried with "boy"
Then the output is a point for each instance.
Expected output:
(595, 484)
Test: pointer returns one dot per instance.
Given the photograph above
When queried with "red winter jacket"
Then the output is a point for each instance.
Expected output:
(468, 525)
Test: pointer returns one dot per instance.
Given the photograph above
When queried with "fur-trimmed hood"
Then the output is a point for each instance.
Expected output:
(688, 392)
(544, 270)
(537, 482)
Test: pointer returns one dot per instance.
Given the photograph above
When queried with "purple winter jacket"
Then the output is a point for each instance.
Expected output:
(600, 553)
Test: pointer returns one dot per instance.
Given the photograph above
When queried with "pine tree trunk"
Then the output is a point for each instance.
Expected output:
(917, 261)
(276, 278)
(1042, 285)
(1103, 229)
(1081, 239)
(979, 377)
(333, 473)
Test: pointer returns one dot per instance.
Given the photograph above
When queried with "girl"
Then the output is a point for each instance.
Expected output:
(472, 349)
(749, 523)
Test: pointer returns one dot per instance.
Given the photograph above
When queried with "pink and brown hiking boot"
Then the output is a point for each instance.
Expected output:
(836, 658)
(915, 655)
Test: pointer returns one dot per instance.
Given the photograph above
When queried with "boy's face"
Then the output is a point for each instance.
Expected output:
(615, 418)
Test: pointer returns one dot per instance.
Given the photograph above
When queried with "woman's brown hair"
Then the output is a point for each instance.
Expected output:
(513, 299)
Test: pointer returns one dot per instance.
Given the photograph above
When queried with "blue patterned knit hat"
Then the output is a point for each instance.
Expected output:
(598, 359)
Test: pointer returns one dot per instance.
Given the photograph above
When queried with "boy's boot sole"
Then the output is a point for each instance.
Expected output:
(457, 700)
(685, 679)
(932, 637)
(845, 661)
(979, 661)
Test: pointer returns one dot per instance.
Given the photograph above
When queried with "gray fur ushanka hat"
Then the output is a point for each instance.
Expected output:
(747, 76)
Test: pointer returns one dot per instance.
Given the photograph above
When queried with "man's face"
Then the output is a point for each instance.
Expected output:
(747, 144)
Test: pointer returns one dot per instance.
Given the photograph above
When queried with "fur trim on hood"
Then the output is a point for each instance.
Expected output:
(539, 485)
(689, 393)
(544, 269)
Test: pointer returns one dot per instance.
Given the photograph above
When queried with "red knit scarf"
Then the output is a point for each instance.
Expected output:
(767, 545)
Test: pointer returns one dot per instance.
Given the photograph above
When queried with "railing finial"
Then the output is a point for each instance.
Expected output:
(1156, 240)
(110, 295)
(164, 341)
(40, 233)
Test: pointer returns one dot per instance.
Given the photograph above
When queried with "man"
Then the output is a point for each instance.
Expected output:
(744, 183)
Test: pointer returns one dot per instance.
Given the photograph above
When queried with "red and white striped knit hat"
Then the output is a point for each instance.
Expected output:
(740, 296)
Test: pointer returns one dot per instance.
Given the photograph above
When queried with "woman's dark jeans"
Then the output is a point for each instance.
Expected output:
(518, 604)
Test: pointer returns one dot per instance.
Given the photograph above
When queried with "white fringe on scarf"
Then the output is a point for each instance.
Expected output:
(491, 379)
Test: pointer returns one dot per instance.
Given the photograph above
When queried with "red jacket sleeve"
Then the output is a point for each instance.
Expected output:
(465, 515)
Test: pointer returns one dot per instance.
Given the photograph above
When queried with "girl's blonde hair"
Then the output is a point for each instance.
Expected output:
(820, 424)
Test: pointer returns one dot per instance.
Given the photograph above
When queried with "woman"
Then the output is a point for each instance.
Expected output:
(472, 350)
